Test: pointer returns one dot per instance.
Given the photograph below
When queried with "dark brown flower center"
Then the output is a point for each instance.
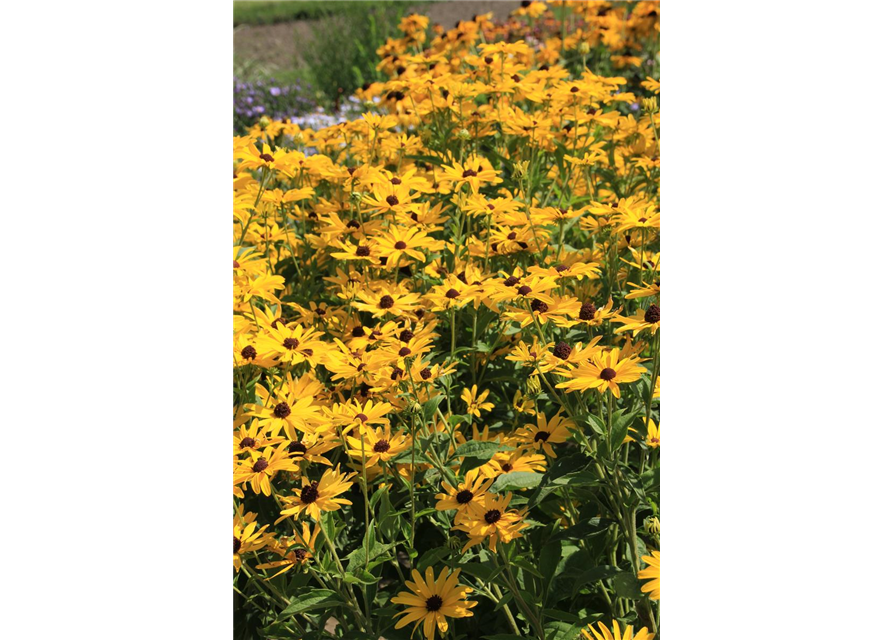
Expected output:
(282, 410)
(363, 251)
(512, 235)
(539, 306)
(362, 417)
(561, 268)
(562, 350)
(400, 245)
(236, 265)
(541, 436)
(386, 302)
(260, 465)
(492, 516)
(653, 314)
(434, 603)
(464, 496)
(353, 224)
(300, 555)
(511, 281)
(266, 157)
(237, 544)
(248, 442)
(392, 200)
(587, 311)
(469, 173)
(452, 293)
(297, 447)
(290, 343)
(310, 493)
(404, 351)
(396, 181)
(357, 331)
(507, 467)
(381, 446)
(524, 290)
(406, 335)
(425, 373)
(607, 374)
(249, 353)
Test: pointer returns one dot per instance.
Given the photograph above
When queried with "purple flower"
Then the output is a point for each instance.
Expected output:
(275, 91)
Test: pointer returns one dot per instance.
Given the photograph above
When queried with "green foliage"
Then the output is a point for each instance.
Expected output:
(274, 12)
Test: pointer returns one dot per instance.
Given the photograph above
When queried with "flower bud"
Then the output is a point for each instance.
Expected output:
(264, 122)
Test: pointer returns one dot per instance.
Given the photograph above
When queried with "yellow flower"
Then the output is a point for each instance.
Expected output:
(492, 519)
(604, 633)
(247, 536)
(306, 545)
(543, 435)
(466, 496)
(652, 574)
(476, 403)
(605, 372)
(317, 496)
(259, 468)
(378, 444)
(432, 601)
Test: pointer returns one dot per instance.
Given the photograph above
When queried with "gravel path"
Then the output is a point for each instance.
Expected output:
(277, 46)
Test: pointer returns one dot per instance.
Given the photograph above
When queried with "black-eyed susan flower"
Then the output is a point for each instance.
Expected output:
(508, 461)
(430, 602)
(247, 536)
(542, 435)
(296, 551)
(378, 445)
(467, 495)
(316, 496)
(652, 574)
(492, 521)
(260, 467)
(476, 403)
(614, 633)
(606, 371)
(644, 320)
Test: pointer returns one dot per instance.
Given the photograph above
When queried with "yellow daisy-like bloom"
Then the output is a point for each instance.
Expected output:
(432, 601)
(246, 536)
(317, 496)
(378, 445)
(651, 573)
(543, 435)
(644, 320)
(475, 402)
(652, 439)
(493, 519)
(296, 557)
(466, 496)
(508, 461)
(604, 633)
(259, 468)
(605, 372)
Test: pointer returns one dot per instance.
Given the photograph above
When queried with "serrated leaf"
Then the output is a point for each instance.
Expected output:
(516, 480)
(478, 449)
(314, 599)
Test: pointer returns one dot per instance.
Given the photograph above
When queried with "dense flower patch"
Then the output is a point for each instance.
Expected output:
(446, 342)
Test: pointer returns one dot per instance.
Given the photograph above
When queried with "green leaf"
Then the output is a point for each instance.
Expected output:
(315, 599)
(357, 557)
(515, 480)
(595, 574)
(524, 564)
(360, 575)
(478, 449)
(430, 408)
(584, 529)
(548, 562)
(619, 429)
(626, 585)
(432, 557)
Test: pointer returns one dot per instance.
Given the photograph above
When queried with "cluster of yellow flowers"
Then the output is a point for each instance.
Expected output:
(460, 289)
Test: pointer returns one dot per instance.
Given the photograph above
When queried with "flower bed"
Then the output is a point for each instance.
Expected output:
(446, 342)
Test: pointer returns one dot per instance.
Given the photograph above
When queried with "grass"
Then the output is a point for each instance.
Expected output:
(255, 13)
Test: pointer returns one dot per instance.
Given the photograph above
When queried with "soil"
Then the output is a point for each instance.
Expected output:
(278, 46)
